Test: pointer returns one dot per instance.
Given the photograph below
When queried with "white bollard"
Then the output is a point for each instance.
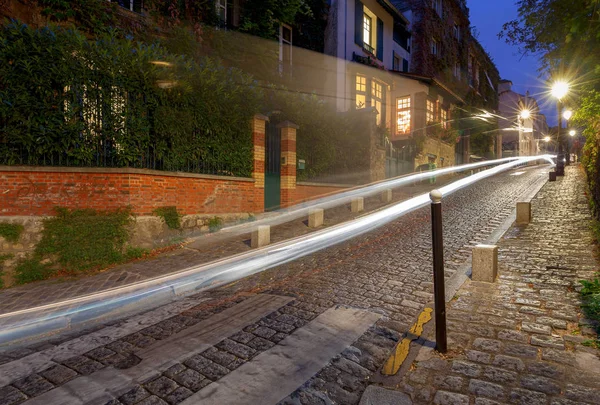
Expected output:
(386, 196)
(485, 263)
(315, 217)
(523, 212)
(358, 204)
(261, 236)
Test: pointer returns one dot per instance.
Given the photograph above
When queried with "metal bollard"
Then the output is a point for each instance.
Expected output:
(438, 271)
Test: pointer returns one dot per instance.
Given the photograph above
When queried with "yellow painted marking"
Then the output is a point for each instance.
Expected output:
(393, 364)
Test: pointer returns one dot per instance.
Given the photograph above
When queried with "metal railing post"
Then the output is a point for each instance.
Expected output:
(438, 271)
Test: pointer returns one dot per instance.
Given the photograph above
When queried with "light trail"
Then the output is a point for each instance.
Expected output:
(20, 325)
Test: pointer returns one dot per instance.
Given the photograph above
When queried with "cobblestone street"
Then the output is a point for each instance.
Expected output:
(515, 341)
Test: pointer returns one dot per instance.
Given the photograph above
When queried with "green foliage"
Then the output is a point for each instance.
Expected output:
(263, 17)
(79, 240)
(107, 103)
(170, 215)
(11, 232)
(91, 15)
(32, 269)
(215, 223)
(591, 299)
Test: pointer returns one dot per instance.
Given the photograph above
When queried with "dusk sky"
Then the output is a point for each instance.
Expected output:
(488, 16)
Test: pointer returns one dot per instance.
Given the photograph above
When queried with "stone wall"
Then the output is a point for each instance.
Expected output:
(439, 150)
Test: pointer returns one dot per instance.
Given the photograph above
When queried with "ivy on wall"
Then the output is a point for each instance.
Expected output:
(116, 102)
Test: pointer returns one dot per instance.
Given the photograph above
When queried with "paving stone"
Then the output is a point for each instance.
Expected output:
(83, 365)
(486, 401)
(162, 386)
(374, 395)
(579, 393)
(243, 337)
(33, 385)
(546, 369)
(499, 375)
(219, 356)
(542, 384)
(179, 395)
(513, 335)
(206, 367)
(478, 357)
(448, 382)
(466, 368)
(450, 398)
(191, 379)
(10, 396)
(139, 340)
(238, 349)
(100, 354)
(548, 341)
(521, 350)
(559, 356)
(134, 396)
(58, 374)
(153, 400)
(536, 328)
(489, 345)
(525, 397)
(260, 344)
(121, 346)
(486, 389)
(553, 322)
(278, 326)
(510, 363)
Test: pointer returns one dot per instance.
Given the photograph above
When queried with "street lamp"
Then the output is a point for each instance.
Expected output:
(559, 90)
(525, 114)
(572, 132)
(567, 114)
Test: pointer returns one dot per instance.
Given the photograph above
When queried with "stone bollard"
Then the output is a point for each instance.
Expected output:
(523, 212)
(485, 263)
(261, 236)
(386, 196)
(358, 204)
(315, 217)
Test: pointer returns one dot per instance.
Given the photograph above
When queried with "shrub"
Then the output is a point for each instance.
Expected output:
(214, 224)
(11, 232)
(170, 215)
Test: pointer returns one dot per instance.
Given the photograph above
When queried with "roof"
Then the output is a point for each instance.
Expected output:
(391, 8)
(430, 81)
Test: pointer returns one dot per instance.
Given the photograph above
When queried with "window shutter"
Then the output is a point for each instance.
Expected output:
(379, 39)
(405, 65)
(358, 23)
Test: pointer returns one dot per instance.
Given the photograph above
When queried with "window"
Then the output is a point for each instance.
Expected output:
(430, 114)
(457, 70)
(361, 91)
(444, 118)
(403, 115)
(434, 47)
(397, 60)
(222, 11)
(377, 100)
(437, 6)
(456, 31)
(285, 48)
(368, 32)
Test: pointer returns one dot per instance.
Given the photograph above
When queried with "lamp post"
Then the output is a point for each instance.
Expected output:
(523, 115)
(567, 114)
(559, 90)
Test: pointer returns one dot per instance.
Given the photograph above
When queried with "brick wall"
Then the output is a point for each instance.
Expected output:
(35, 191)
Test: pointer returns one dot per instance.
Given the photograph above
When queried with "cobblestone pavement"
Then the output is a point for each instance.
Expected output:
(203, 249)
(386, 271)
(519, 340)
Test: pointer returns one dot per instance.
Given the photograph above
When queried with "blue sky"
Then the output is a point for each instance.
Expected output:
(488, 16)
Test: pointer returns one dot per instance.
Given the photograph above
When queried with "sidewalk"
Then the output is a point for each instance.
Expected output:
(519, 340)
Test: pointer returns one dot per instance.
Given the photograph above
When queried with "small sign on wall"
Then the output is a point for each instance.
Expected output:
(301, 164)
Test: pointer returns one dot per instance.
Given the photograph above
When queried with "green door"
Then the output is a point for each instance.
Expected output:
(272, 168)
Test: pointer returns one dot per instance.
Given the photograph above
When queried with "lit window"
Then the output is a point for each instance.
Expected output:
(430, 114)
(377, 99)
(367, 29)
(403, 115)
(444, 118)
(361, 91)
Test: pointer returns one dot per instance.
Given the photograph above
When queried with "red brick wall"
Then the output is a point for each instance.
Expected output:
(35, 191)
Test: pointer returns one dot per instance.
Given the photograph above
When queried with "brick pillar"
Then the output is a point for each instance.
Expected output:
(288, 163)
(259, 124)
